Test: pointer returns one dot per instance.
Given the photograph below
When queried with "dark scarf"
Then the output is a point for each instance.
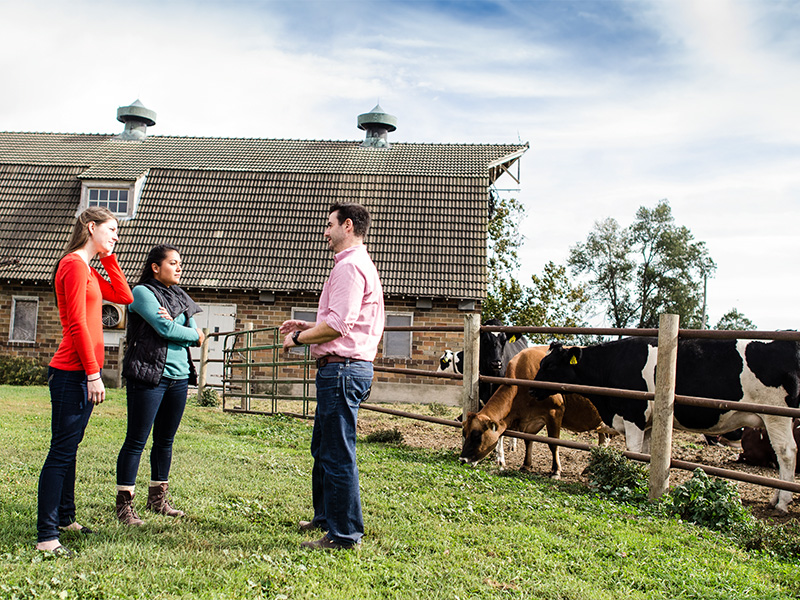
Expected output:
(173, 298)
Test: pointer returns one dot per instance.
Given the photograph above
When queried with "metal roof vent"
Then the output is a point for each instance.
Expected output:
(136, 118)
(377, 124)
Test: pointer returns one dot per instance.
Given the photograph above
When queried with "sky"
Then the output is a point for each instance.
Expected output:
(623, 103)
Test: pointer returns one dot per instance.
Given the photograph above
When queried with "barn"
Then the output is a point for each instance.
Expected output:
(248, 216)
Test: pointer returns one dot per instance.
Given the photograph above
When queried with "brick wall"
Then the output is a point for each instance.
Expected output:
(426, 346)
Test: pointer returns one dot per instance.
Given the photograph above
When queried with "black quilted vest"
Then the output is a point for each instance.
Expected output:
(146, 354)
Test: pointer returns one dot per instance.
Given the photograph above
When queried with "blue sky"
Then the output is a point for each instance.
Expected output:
(623, 102)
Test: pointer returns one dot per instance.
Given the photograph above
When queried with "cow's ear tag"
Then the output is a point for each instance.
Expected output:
(573, 361)
(513, 339)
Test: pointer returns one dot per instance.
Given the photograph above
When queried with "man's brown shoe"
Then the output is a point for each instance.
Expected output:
(325, 543)
(308, 526)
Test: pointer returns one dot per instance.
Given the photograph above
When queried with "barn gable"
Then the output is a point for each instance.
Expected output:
(248, 216)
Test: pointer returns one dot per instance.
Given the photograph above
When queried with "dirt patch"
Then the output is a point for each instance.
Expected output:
(689, 447)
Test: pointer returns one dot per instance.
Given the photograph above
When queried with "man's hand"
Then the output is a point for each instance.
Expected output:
(293, 325)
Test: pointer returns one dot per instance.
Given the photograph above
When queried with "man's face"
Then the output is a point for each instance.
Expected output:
(335, 234)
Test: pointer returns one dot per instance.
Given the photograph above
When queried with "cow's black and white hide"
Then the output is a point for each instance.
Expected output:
(736, 370)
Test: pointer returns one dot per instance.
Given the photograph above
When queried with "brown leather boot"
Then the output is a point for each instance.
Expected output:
(157, 501)
(125, 512)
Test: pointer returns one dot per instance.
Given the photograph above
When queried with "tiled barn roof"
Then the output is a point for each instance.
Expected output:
(249, 214)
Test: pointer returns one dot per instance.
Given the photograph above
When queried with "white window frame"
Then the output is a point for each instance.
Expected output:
(134, 189)
(14, 300)
(398, 334)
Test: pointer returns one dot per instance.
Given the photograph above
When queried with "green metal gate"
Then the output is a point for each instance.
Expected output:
(259, 377)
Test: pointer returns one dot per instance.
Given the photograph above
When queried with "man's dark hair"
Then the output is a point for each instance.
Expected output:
(357, 213)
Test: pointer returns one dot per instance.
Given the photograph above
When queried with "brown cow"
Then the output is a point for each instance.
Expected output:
(512, 407)
(757, 448)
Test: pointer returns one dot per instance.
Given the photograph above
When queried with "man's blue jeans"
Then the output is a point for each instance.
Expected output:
(341, 388)
(71, 410)
(157, 407)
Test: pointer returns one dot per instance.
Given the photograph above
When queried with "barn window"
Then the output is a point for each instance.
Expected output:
(117, 196)
(397, 344)
(24, 313)
(115, 200)
(303, 314)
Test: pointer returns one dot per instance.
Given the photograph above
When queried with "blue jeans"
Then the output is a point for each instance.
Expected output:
(71, 410)
(157, 407)
(341, 388)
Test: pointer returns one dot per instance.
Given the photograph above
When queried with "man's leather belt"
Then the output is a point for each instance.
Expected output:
(332, 358)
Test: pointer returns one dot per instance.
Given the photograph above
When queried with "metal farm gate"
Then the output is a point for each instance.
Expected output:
(257, 377)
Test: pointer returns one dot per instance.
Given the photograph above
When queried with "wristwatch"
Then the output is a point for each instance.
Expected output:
(296, 338)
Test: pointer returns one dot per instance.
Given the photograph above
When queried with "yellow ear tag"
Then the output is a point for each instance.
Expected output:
(513, 339)
(573, 361)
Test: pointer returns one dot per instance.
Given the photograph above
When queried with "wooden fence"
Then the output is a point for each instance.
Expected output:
(664, 398)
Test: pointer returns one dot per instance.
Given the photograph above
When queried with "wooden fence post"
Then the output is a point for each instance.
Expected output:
(120, 356)
(472, 348)
(203, 372)
(248, 357)
(663, 405)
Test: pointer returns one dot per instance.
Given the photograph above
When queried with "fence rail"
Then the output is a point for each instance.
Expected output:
(663, 398)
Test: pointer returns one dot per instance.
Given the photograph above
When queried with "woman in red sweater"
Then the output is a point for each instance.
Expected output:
(74, 375)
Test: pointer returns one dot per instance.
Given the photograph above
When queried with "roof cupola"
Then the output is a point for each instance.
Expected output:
(377, 124)
(136, 118)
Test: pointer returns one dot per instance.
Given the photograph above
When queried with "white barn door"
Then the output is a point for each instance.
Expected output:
(217, 317)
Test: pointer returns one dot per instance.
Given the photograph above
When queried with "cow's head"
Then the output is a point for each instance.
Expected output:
(558, 366)
(492, 343)
(480, 435)
(446, 360)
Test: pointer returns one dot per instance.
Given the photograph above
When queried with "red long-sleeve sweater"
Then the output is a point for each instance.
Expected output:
(80, 291)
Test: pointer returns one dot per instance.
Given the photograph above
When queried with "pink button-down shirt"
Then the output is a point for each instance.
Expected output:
(352, 304)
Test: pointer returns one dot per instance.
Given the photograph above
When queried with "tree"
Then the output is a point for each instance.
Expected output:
(550, 301)
(604, 258)
(734, 320)
(504, 239)
(652, 267)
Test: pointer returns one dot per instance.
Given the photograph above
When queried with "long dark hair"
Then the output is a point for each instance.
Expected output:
(156, 255)
(80, 234)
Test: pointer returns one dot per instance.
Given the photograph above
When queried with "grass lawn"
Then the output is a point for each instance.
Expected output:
(434, 529)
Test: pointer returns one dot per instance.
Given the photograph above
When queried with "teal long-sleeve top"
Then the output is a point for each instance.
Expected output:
(180, 333)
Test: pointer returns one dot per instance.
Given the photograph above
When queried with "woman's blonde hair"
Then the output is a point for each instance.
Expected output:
(80, 233)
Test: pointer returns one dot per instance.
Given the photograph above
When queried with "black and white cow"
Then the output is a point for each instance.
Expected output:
(736, 370)
(496, 351)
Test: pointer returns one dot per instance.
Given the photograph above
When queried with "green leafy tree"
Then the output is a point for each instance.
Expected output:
(504, 240)
(550, 301)
(734, 320)
(652, 267)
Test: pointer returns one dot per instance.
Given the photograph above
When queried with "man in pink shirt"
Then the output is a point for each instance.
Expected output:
(344, 341)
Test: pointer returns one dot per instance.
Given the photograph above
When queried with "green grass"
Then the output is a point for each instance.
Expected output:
(434, 529)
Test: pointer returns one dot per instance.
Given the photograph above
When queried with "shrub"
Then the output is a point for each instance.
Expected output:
(714, 503)
(616, 476)
(209, 397)
(385, 436)
(781, 540)
(18, 370)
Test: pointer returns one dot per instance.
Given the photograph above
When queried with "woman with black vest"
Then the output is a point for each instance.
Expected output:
(158, 369)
